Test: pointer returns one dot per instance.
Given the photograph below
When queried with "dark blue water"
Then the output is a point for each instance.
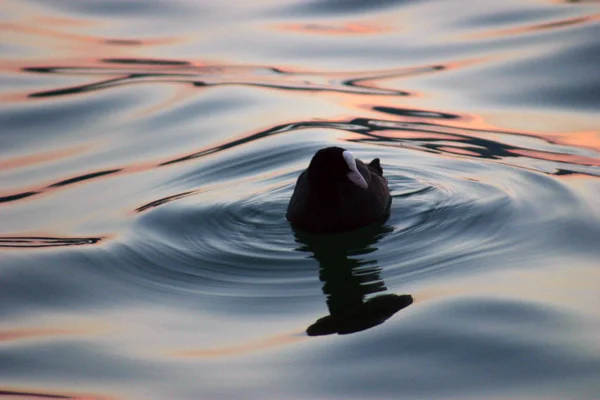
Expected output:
(148, 151)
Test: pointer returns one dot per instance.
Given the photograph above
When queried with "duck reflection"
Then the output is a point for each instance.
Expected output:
(348, 278)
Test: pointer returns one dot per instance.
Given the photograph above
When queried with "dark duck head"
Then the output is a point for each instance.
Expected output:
(333, 166)
(338, 193)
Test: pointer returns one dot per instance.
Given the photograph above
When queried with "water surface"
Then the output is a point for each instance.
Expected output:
(148, 151)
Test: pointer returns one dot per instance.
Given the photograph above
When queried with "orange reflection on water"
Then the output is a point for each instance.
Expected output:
(31, 28)
(28, 19)
(587, 139)
(368, 80)
(569, 130)
(62, 22)
(10, 335)
(560, 157)
(33, 159)
(16, 334)
(236, 350)
(21, 393)
(18, 29)
(49, 33)
(330, 29)
(540, 27)
(547, 128)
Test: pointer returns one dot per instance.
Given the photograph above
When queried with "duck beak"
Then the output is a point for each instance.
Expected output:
(356, 178)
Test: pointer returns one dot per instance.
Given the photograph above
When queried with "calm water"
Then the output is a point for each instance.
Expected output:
(148, 151)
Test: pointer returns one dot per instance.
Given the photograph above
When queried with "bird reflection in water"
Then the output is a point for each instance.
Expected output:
(348, 278)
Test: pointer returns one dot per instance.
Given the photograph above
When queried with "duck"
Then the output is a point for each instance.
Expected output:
(339, 193)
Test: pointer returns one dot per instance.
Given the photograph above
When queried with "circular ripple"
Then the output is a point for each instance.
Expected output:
(455, 215)
(240, 248)
(447, 215)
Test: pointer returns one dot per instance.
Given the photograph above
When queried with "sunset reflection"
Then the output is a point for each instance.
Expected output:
(342, 29)
(11, 335)
(543, 26)
(149, 151)
(243, 348)
(12, 393)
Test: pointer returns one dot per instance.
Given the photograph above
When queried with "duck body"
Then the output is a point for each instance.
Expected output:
(338, 193)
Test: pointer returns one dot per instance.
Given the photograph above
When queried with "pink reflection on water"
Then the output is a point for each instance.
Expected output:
(564, 23)
(40, 158)
(16, 393)
(11, 335)
(243, 348)
(342, 29)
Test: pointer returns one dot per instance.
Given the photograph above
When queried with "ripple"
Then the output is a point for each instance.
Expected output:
(337, 7)
(57, 185)
(205, 246)
(135, 70)
(179, 155)
(542, 155)
(229, 239)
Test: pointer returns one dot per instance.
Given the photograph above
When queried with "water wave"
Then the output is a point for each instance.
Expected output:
(177, 130)
(438, 138)
(200, 240)
(34, 242)
(134, 70)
